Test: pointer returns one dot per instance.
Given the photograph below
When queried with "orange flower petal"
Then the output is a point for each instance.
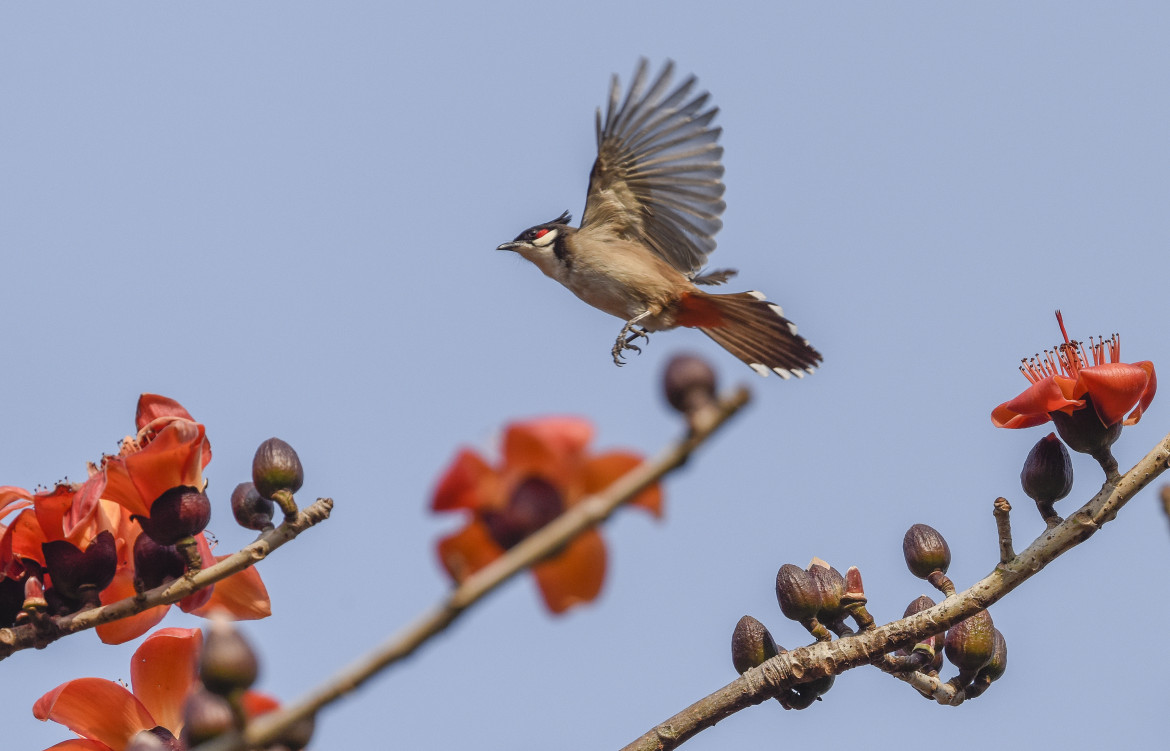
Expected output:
(1115, 387)
(175, 457)
(575, 576)
(1033, 405)
(97, 709)
(602, 470)
(468, 550)
(257, 703)
(163, 673)
(152, 406)
(548, 447)
(13, 499)
(78, 744)
(243, 596)
(1148, 396)
(23, 538)
(125, 629)
(467, 483)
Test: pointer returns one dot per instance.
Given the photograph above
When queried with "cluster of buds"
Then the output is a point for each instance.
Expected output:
(974, 645)
(227, 669)
(752, 645)
(821, 600)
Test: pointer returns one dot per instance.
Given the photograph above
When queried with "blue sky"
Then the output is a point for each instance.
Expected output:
(284, 215)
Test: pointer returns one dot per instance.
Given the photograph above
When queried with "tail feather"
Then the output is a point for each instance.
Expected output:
(756, 331)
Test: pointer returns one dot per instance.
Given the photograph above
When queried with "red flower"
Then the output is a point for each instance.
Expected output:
(163, 673)
(544, 470)
(169, 450)
(1063, 381)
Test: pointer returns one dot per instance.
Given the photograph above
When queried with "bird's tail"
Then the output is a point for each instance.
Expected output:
(752, 329)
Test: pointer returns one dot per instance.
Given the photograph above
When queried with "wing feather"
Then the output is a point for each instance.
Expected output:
(657, 179)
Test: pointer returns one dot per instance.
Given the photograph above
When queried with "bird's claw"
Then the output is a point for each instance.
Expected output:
(629, 334)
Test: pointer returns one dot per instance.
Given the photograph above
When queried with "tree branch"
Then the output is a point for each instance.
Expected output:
(582, 516)
(26, 636)
(834, 657)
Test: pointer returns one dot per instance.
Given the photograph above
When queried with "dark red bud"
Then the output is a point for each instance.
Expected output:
(206, 716)
(689, 383)
(751, 645)
(11, 600)
(970, 644)
(797, 592)
(854, 589)
(926, 551)
(228, 663)
(831, 586)
(154, 564)
(71, 569)
(252, 510)
(1048, 474)
(177, 514)
(922, 603)
(276, 466)
(157, 738)
(995, 669)
(1083, 430)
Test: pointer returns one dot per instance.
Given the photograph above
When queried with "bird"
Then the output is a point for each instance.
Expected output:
(652, 210)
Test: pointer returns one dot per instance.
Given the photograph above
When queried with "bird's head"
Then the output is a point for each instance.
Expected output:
(541, 242)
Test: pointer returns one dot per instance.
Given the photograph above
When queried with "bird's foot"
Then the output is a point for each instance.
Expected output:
(625, 340)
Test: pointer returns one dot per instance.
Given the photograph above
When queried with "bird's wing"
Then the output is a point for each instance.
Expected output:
(657, 176)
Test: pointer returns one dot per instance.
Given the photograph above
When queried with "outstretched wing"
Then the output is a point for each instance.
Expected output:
(657, 176)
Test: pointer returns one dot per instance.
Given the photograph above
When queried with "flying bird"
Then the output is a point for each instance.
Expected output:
(651, 215)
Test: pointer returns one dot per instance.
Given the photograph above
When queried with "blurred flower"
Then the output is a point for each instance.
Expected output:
(544, 470)
(163, 674)
(1064, 381)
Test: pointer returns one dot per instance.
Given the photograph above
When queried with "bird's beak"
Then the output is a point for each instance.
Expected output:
(509, 246)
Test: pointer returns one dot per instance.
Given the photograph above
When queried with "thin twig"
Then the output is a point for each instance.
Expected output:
(1003, 524)
(834, 657)
(581, 517)
(25, 636)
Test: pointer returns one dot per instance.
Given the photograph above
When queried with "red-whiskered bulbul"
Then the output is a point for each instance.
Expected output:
(653, 207)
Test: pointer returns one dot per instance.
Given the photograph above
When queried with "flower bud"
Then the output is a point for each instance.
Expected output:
(276, 466)
(751, 645)
(831, 586)
(797, 592)
(931, 646)
(252, 510)
(689, 383)
(34, 594)
(1047, 475)
(72, 569)
(177, 514)
(11, 600)
(926, 551)
(157, 738)
(227, 664)
(154, 564)
(206, 716)
(970, 644)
